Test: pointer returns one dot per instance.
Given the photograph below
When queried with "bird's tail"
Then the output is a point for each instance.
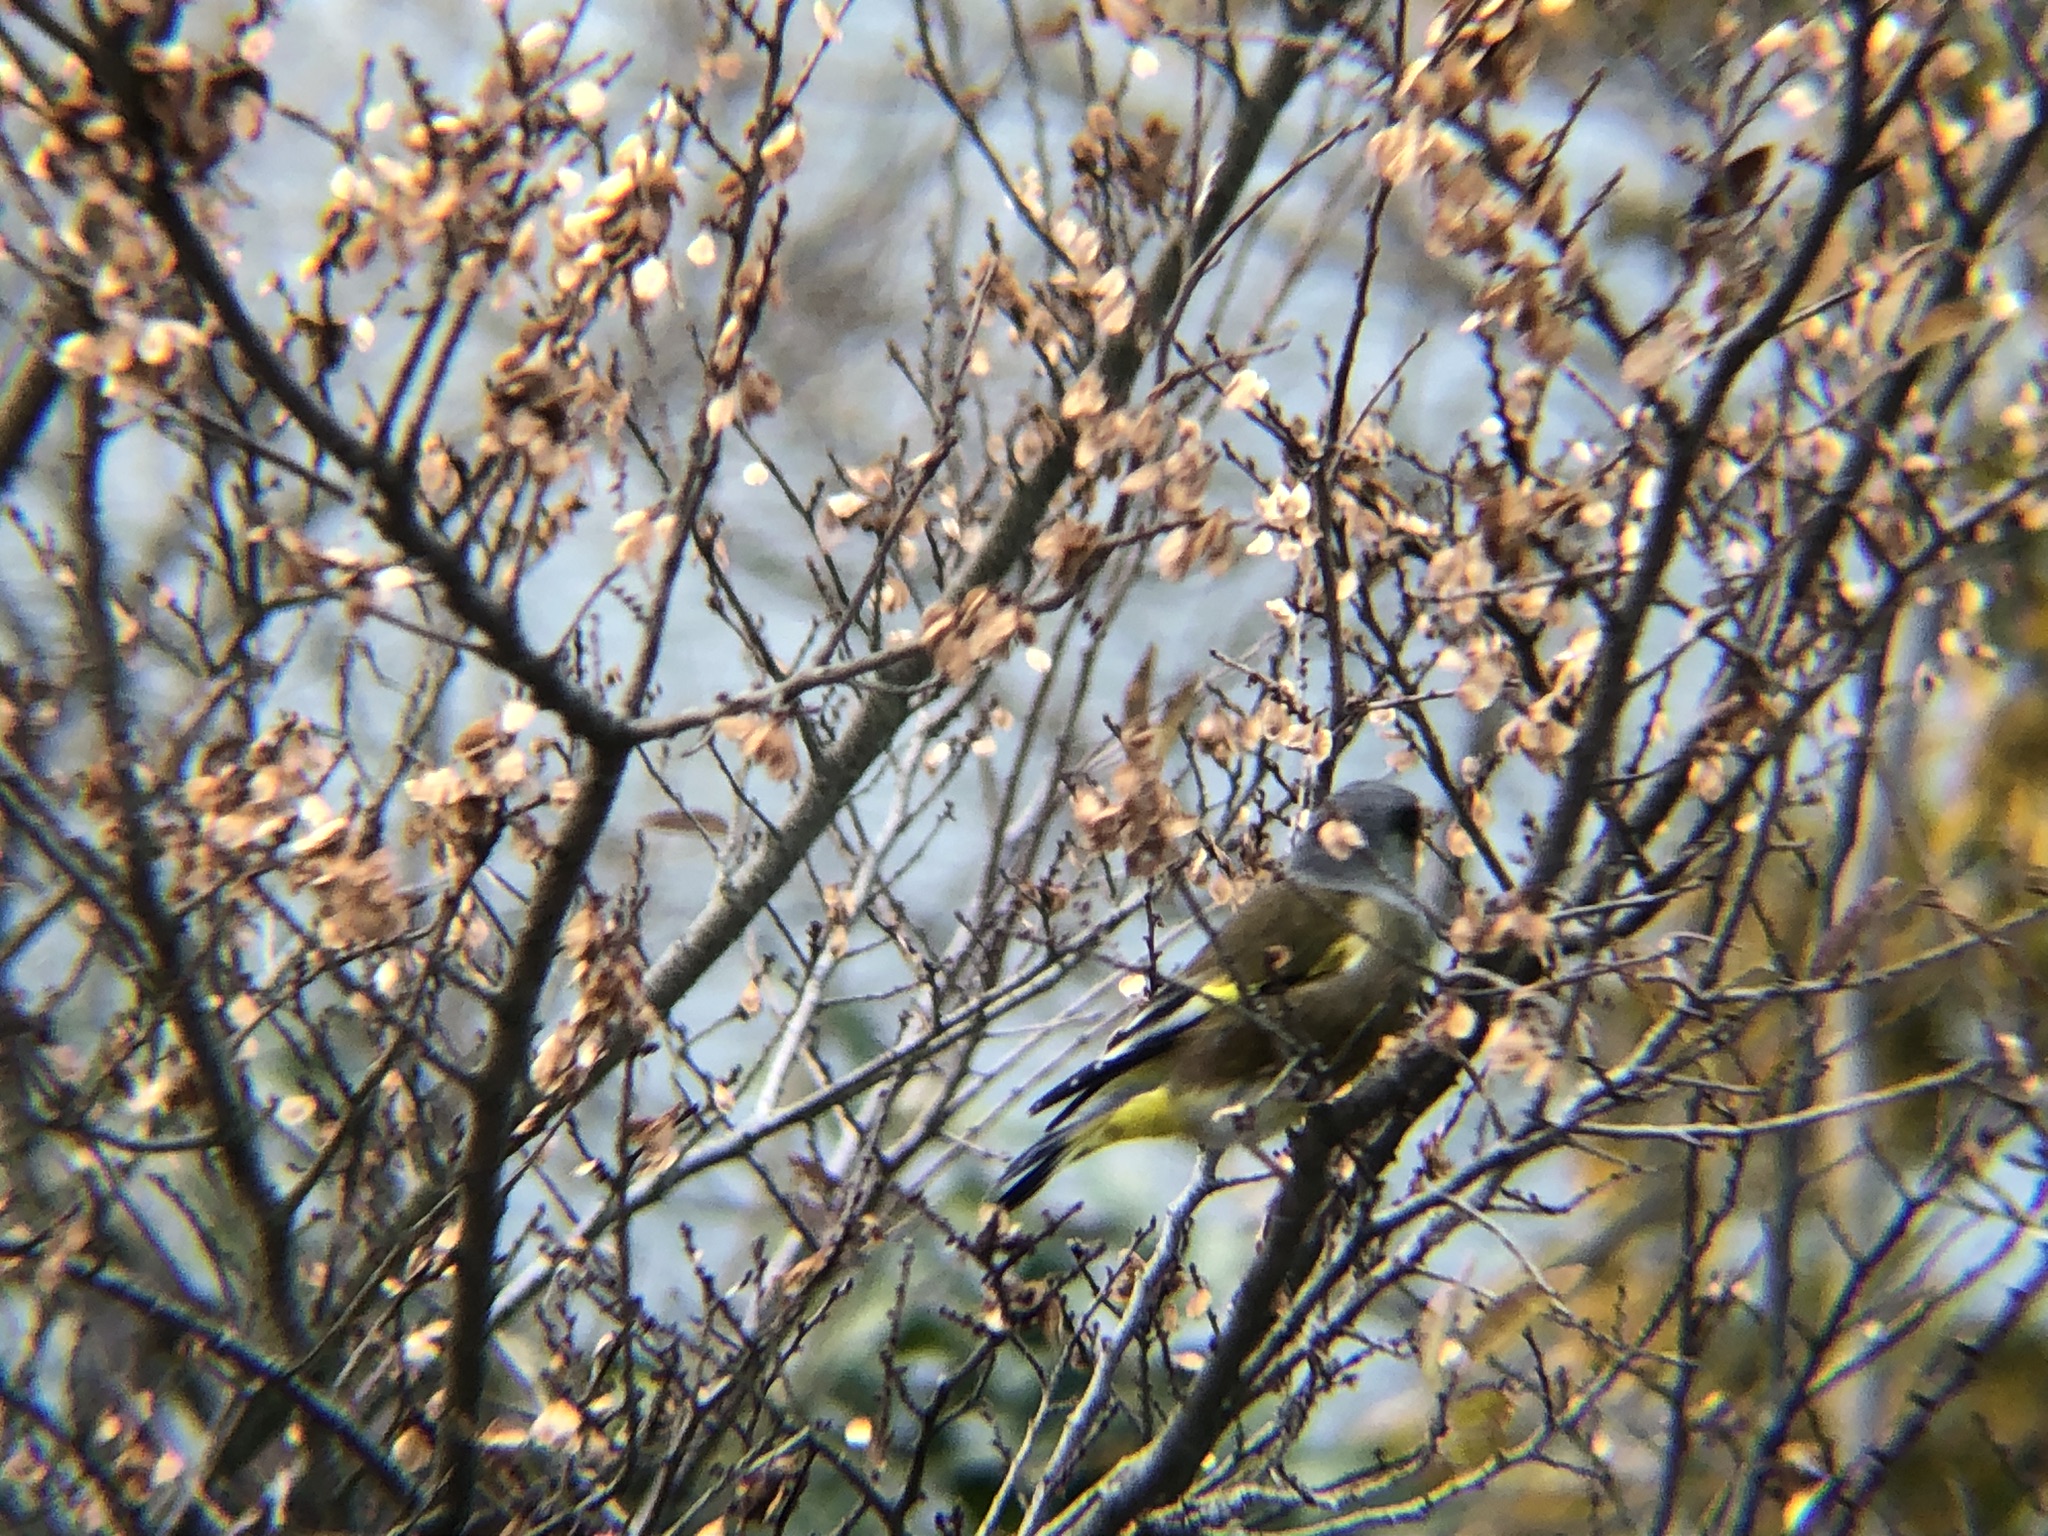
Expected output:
(1028, 1172)
(1135, 1116)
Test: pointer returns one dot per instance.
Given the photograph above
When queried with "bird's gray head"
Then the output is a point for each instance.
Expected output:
(1364, 837)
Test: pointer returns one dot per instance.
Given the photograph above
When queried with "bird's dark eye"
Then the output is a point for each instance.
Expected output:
(1408, 821)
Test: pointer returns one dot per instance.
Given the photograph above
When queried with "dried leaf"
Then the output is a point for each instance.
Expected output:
(555, 1424)
(1651, 360)
(1829, 268)
(784, 151)
(1476, 1426)
(1734, 186)
(681, 819)
(1942, 322)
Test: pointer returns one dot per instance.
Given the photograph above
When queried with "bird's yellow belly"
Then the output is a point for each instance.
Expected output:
(1213, 1117)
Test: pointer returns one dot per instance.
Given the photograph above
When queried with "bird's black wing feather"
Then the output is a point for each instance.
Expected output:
(1312, 919)
(1078, 1087)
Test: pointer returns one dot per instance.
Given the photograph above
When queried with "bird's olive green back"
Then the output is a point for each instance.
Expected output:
(1348, 977)
(1287, 932)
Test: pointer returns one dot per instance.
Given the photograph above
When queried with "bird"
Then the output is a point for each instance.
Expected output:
(1312, 971)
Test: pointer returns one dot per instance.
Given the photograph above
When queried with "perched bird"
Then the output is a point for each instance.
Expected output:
(1314, 970)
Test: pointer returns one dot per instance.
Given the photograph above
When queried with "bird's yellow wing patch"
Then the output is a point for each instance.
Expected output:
(1348, 951)
(1155, 1112)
